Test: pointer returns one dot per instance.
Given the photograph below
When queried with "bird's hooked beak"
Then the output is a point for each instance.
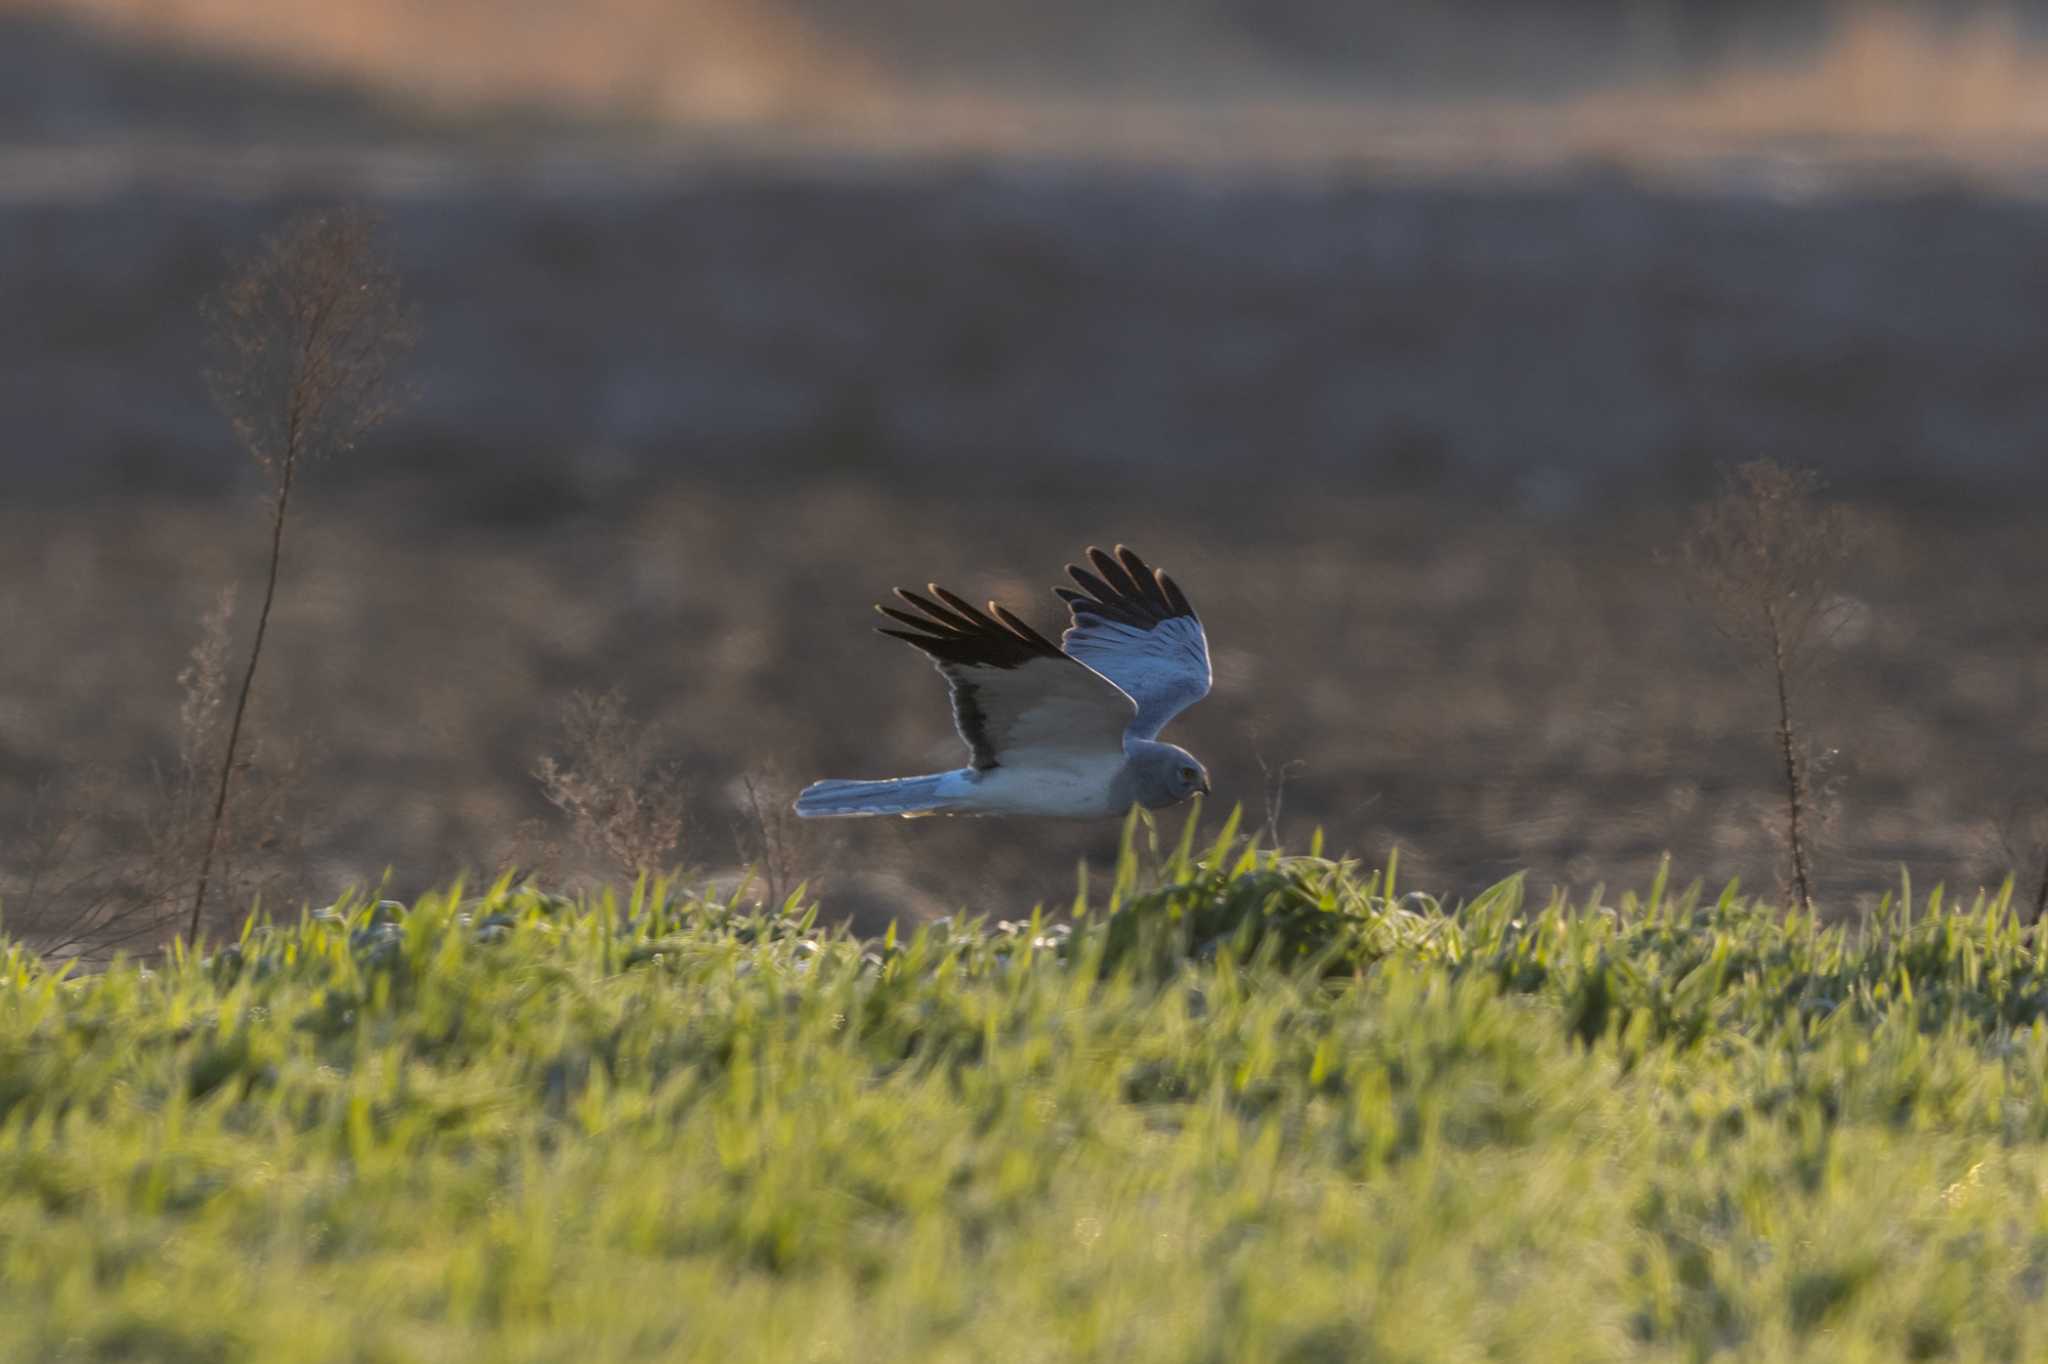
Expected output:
(1204, 787)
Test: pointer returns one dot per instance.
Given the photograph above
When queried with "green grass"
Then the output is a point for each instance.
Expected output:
(1251, 1108)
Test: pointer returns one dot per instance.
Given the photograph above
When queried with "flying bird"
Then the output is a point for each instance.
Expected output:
(1068, 729)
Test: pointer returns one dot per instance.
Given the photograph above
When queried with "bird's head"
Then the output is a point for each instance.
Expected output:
(1167, 775)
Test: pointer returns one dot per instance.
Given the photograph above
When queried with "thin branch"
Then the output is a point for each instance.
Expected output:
(227, 759)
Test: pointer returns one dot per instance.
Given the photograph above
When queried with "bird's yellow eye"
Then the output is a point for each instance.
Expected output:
(1187, 774)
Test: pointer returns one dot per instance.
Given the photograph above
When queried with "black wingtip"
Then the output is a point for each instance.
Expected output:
(940, 617)
(1019, 626)
(1092, 585)
(906, 618)
(958, 632)
(1175, 598)
(1145, 576)
(1123, 588)
(965, 608)
(1112, 572)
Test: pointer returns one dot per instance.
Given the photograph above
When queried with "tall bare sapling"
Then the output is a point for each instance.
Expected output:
(304, 337)
(1763, 558)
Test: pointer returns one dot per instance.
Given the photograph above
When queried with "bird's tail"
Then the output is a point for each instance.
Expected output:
(906, 796)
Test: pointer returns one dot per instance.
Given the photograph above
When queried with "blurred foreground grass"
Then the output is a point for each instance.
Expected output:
(1248, 1108)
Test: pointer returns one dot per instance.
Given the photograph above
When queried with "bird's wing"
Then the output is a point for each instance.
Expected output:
(1017, 700)
(1133, 625)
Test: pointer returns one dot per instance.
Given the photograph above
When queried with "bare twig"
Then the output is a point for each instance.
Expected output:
(305, 336)
(1274, 783)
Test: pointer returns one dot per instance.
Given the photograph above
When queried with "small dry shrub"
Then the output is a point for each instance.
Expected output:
(768, 836)
(93, 883)
(627, 808)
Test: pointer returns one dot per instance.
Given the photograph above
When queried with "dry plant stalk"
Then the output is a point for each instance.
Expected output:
(1762, 559)
(531, 854)
(304, 337)
(769, 837)
(2022, 836)
(86, 894)
(70, 891)
(258, 823)
(1274, 783)
(624, 806)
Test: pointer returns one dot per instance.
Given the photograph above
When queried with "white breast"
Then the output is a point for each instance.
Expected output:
(1079, 787)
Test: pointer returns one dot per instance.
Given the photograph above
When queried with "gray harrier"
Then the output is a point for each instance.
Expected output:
(1068, 729)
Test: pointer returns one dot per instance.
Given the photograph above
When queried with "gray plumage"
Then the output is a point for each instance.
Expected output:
(1060, 730)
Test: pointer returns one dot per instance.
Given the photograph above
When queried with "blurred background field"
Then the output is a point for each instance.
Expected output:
(1403, 334)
